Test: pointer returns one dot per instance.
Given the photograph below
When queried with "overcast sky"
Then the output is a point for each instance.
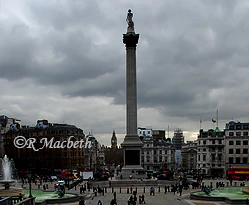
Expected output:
(64, 61)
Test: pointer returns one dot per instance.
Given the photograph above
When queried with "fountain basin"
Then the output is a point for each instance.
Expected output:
(11, 192)
(6, 183)
(246, 190)
(49, 197)
(231, 195)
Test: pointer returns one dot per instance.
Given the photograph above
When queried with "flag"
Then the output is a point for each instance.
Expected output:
(214, 120)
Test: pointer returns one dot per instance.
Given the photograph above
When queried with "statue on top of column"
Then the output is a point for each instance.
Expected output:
(129, 19)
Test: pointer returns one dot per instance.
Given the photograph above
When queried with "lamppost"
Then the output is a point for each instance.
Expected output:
(93, 162)
(162, 166)
(90, 153)
(96, 154)
(29, 176)
(199, 170)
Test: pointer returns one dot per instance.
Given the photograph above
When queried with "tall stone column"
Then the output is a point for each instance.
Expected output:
(132, 144)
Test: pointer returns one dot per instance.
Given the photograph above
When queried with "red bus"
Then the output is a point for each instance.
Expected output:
(238, 173)
(67, 174)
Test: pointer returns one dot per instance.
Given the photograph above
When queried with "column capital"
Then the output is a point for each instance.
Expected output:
(130, 39)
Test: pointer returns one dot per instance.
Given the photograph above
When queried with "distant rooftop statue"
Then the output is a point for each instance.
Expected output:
(129, 19)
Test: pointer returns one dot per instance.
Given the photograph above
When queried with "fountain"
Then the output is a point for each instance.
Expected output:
(246, 190)
(41, 197)
(7, 180)
(229, 194)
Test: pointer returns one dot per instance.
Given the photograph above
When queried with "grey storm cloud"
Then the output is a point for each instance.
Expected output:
(192, 58)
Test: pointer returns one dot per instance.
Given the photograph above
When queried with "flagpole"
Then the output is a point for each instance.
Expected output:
(217, 119)
(168, 131)
(200, 122)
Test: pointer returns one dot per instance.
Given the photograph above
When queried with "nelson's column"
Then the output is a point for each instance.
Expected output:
(132, 144)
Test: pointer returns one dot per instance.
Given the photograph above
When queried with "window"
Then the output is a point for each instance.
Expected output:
(204, 142)
(148, 145)
(160, 151)
(148, 159)
(245, 142)
(204, 150)
(245, 160)
(230, 151)
(238, 127)
(165, 151)
(237, 160)
(220, 141)
(245, 127)
(154, 151)
(238, 133)
(238, 142)
(230, 142)
(65, 154)
(213, 141)
(204, 157)
(245, 151)
(245, 133)
(230, 134)
(199, 157)
(237, 151)
(230, 159)
(219, 157)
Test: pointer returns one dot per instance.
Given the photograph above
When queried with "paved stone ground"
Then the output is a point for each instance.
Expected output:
(122, 198)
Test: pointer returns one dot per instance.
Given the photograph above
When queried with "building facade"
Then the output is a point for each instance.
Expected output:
(144, 132)
(211, 153)
(237, 146)
(114, 142)
(45, 159)
(178, 139)
(189, 157)
(157, 152)
(95, 155)
(7, 123)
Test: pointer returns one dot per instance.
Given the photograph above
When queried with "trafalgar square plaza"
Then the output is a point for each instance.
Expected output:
(129, 186)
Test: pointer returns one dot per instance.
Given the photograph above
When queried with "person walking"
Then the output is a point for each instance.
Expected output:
(143, 201)
(82, 202)
(113, 202)
(180, 191)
